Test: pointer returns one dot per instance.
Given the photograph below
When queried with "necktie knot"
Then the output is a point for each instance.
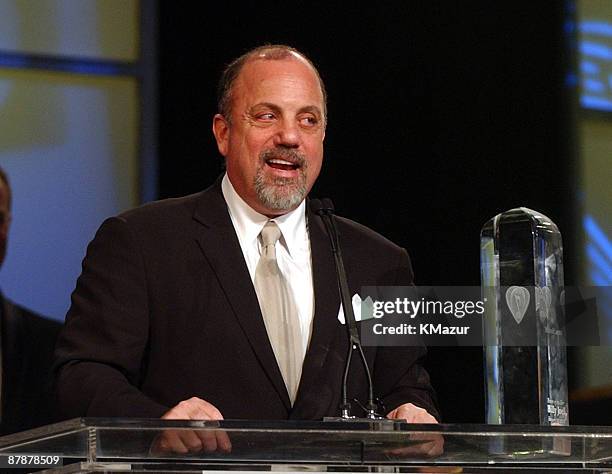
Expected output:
(270, 234)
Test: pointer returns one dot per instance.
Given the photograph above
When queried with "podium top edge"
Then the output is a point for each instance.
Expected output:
(359, 424)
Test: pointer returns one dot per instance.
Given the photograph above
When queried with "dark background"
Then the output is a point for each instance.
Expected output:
(441, 115)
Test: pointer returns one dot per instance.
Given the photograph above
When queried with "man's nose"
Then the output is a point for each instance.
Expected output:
(288, 134)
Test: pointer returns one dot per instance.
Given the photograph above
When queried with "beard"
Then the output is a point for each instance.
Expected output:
(279, 193)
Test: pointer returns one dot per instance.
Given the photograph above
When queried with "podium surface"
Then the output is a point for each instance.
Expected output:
(134, 445)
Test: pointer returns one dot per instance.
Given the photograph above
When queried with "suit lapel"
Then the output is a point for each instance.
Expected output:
(325, 322)
(219, 243)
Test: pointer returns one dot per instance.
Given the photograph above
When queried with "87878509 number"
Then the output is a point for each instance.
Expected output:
(8, 461)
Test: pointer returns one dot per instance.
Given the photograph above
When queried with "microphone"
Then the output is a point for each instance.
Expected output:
(324, 208)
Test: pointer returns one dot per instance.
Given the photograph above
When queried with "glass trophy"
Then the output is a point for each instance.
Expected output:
(524, 328)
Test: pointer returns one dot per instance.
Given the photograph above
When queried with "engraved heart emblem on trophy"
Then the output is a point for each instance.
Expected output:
(517, 299)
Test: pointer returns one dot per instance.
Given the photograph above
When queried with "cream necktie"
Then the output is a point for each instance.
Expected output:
(279, 311)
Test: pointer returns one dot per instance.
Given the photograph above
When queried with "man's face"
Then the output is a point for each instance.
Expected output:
(5, 218)
(274, 144)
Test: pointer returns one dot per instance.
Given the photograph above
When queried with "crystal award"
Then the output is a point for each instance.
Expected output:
(524, 328)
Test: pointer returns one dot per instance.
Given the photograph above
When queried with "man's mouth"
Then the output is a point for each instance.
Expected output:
(279, 164)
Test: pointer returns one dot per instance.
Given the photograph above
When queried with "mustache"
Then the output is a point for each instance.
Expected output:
(286, 154)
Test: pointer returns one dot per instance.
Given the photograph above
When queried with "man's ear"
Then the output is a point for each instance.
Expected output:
(221, 132)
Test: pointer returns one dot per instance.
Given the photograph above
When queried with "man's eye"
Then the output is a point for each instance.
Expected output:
(309, 121)
(266, 116)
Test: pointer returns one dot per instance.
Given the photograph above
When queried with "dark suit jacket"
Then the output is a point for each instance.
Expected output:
(165, 310)
(27, 352)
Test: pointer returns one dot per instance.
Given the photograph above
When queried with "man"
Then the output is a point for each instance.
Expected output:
(27, 344)
(170, 317)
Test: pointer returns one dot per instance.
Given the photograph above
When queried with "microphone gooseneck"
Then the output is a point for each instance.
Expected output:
(325, 209)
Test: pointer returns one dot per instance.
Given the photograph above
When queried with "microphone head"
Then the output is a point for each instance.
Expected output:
(322, 206)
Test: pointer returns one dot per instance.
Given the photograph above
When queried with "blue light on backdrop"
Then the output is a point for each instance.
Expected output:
(596, 65)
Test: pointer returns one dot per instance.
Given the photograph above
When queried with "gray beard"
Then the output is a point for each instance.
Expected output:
(281, 194)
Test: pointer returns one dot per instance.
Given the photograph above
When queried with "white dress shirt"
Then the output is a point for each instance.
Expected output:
(292, 250)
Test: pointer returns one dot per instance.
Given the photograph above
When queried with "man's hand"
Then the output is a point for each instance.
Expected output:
(184, 441)
(193, 409)
(428, 445)
(412, 414)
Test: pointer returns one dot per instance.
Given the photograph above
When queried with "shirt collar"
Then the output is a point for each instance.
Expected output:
(248, 222)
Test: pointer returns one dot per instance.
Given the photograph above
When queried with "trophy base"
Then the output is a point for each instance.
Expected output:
(512, 449)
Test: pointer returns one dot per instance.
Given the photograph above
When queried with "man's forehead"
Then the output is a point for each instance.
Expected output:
(273, 55)
(291, 76)
(260, 70)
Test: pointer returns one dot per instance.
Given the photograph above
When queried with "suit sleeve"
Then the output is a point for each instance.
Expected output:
(399, 373)
(99, 354)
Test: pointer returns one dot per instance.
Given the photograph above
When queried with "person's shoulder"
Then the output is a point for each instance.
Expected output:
(40, 321)
(171, 213)
(163, 209)
(164, 220)
(369, 253)
(16, 314)
(359, 234)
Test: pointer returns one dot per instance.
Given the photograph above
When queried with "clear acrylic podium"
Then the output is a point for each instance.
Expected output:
(129, 445)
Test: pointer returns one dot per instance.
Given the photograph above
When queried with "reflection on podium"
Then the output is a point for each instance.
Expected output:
(142, 445)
